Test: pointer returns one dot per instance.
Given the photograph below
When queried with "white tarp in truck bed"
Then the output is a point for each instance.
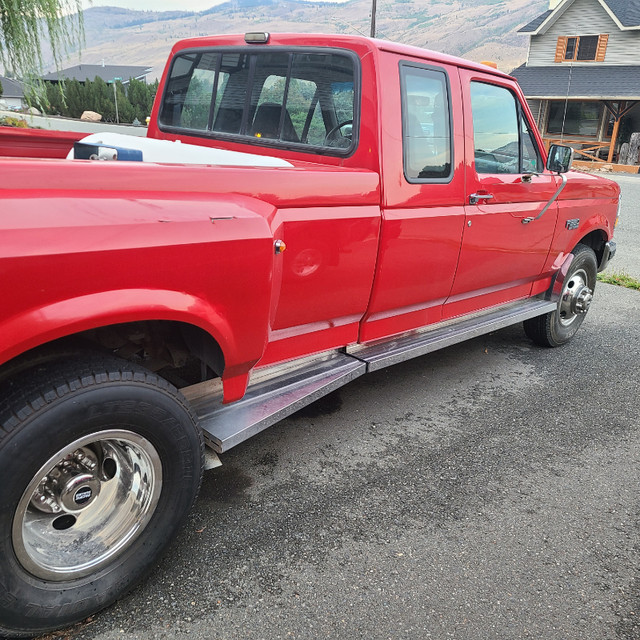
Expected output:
(166, 151)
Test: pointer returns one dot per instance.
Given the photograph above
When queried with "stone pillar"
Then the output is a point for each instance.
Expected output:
(634, 147)
(624, 153)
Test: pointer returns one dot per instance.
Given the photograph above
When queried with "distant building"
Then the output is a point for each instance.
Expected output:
(12, 94)
(582, 75)
(108, 73)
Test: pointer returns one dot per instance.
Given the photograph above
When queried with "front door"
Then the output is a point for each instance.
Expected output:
(503, 250)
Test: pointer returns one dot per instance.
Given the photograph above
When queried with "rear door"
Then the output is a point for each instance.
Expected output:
(502, 253)
(423, 199)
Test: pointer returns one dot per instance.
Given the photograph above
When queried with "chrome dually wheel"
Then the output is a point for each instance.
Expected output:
(558, 327)
(86, 504)
(100, 462)
(576, 298)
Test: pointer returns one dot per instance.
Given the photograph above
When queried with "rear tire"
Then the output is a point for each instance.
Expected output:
(100, 462)
(558, 327)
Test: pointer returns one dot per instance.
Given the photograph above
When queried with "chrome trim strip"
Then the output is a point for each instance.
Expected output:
(563, 182)
(426, 341)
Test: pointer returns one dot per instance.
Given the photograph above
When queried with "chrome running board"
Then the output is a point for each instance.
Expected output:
(278, 391)
(418, 343)
(269, 399)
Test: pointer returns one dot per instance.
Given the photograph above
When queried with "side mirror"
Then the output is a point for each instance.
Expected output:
(559, 158)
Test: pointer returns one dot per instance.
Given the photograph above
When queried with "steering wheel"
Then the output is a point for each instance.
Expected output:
(331, 138)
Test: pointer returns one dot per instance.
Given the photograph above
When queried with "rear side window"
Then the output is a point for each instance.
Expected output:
(298, 99)
(503, 140)
(426, 124)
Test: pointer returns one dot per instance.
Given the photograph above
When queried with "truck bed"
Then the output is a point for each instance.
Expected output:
(36, 143)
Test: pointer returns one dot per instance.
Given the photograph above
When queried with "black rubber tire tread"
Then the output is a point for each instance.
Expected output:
(23, 401)
(61, 351)
(546, 330)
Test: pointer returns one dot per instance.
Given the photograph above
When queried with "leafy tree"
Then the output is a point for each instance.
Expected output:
(140, 97)
(153, 90)
(100, 98)
(73, 97)
(76, 98)
(25, 24)
(55, 102)
(1, 89)
(126, 113)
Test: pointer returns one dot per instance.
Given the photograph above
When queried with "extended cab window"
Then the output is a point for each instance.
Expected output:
(426, 124)
(503, 140)
(270, 97)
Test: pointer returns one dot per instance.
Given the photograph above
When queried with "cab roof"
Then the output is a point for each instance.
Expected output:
(359, 44)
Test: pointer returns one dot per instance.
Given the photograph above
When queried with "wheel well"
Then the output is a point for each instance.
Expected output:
(182, 353)
(596, 240)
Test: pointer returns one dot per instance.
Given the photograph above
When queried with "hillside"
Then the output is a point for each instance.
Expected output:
(475, 29)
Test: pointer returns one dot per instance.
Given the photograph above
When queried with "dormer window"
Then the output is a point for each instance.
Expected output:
(581, 48)
(570, 50)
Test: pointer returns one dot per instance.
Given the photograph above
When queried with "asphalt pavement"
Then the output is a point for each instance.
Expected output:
(627, 234)
(486, 491)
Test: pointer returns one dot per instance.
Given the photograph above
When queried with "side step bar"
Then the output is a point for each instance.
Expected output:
(384, 354)
(276, 392)
(269, 399)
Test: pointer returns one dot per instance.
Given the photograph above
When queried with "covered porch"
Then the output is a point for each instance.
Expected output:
(593, 109)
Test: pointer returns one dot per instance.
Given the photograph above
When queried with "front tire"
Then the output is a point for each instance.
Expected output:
(100, 462)
(558, 327)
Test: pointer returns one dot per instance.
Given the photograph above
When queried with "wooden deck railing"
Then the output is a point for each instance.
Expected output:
(586, 148)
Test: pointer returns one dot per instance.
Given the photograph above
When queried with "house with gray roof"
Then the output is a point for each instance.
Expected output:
(582, 75)
(108, 73)
(12, 94)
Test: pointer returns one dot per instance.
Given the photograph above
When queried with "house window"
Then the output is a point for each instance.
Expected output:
(587, 47)
(574, 118)
(581, 48)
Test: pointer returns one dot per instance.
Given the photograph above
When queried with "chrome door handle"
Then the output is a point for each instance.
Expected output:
(474, 198)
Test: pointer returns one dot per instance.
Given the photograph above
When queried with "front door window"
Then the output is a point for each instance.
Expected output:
(503, 140)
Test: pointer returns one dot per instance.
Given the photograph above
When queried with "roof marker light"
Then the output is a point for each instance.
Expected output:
(256, 37)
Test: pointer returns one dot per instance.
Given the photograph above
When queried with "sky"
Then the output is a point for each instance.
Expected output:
(161, 5)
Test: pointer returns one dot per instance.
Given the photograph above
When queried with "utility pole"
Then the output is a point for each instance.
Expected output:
(115, 98)
(373, 19)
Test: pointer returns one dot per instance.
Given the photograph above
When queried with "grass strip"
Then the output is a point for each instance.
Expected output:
(620, 279)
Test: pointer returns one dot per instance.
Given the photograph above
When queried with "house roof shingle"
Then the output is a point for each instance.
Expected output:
(11, 88)
(626, 12)
(589, 82)
(535, 23)
(107, 72)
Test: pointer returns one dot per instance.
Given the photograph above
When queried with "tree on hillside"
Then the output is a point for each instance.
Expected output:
(26, 24)
(1, 89)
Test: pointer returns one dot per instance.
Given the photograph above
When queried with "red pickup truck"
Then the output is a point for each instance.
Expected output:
(305, 209)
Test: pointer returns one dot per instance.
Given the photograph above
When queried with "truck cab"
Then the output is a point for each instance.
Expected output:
(461, 167)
